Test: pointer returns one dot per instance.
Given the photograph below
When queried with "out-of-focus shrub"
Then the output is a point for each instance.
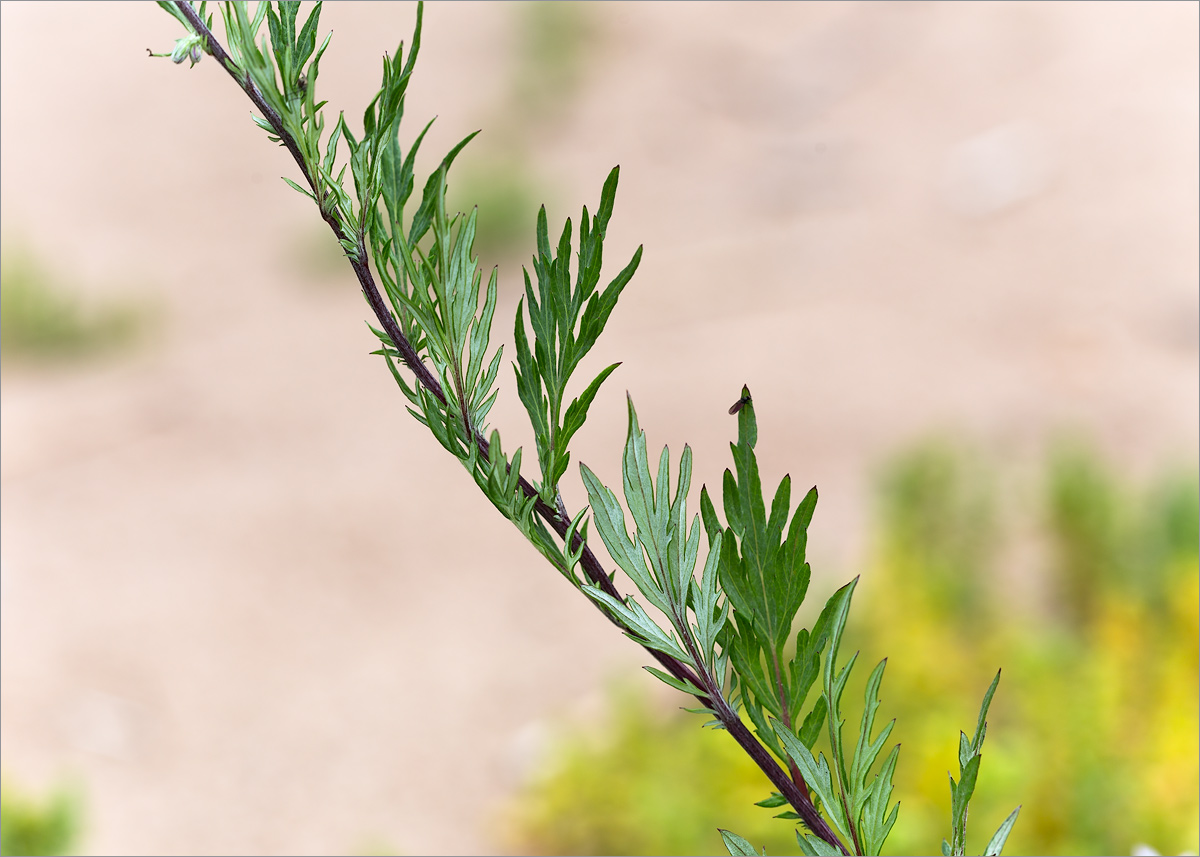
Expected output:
(506, 193)
(1093, 730)
(40, 321)
(554, 43)
(33, 827)
(645, 782)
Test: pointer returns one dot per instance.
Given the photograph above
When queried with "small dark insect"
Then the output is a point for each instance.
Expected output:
(739, 404)
(302, 84)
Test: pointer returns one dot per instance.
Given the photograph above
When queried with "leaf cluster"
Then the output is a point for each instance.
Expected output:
(282, 72)
(856, 803)
(660, 559)
(765, 576)
(970, 754)
(565, 321)
(732, 626)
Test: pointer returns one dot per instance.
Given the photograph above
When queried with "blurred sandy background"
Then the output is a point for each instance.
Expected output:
(251, 605)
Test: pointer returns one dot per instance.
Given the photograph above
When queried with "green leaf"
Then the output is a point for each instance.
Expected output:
(641, 628)
(833, 621)
(678, 684)
(561, 337)
(776, 799)
(970, 757)
(966, 786)
(964, 749)
(578, 409)
(815, 846)
(816, 773)
(838, 608)
(648, 505)
(169, 7)
(960, 797)
(708, 514)
(297, 187)
(308, 35)
(610, 524)
(810, 731)
(434, 193)
(747, 657)
(765, 577)
(397, 180)
(981, 726)
(806, 664)
(867, 750)
(709, 621)
(737, 846)
(875, 821)
(996, 844)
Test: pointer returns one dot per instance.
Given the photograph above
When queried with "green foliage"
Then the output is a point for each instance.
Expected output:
(728, 634)
(29, 826)
(969, 757)
(667, 581)
(739, 846)
(566, 322)
(857, 808)
(1099, 724)
(40, 321)
(766, 579)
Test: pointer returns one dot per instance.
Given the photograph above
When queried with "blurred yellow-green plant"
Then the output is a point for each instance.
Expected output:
(648, 782)
(32, 826)
(41, 321)
(1094, 731)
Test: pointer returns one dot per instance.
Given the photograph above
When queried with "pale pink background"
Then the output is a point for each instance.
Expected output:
(254, 607)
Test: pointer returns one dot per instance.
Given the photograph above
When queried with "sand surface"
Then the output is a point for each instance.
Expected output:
(255, 608)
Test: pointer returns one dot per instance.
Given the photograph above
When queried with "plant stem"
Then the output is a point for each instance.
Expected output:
(794, 791)
(784, 706)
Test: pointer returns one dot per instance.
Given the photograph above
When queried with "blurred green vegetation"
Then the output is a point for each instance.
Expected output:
(645, 782)
(29, 826)
(42, 322)
(552, 47)
(1094, 727)
(508, 197)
